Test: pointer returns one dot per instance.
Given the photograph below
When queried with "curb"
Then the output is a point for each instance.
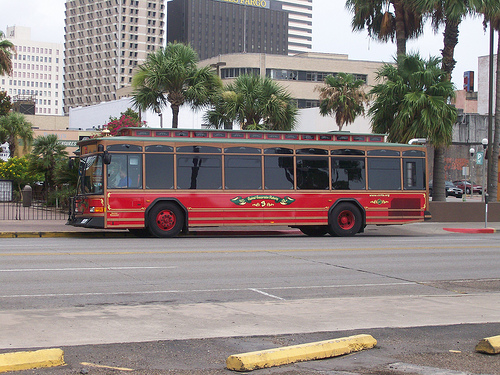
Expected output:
(299, 353)
(64, 234)
(471, 230)
(30, 360)
(489, 345)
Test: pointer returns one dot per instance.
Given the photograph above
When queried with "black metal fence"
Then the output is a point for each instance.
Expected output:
(30, 205)
(37, 211)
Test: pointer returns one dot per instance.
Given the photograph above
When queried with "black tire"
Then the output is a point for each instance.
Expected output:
(165, 220)
(345, 220)
(467, 191)
(314, 230)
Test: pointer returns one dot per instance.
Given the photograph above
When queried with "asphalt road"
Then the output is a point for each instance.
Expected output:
(185, 304)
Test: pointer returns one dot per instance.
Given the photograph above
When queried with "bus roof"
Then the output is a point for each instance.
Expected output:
(247, 136)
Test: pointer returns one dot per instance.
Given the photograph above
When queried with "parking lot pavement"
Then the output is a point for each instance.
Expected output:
(448, 350)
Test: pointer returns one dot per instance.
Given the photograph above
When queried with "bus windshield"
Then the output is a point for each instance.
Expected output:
(90, 175)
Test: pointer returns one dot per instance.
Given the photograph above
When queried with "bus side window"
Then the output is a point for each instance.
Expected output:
(384, 174)
(134, 172)
(414, 174)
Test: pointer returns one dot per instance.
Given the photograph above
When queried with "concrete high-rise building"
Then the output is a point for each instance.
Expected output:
(35, 86)
(104, 41)
(214, 27)
(299, 25)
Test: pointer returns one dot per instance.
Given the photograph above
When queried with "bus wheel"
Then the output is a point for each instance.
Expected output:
(314, 230)
(345, 220)
(165, 220)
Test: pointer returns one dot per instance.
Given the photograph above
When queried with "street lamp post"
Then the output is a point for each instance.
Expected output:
(471, 152)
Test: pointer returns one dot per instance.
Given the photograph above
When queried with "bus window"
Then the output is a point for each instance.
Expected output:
(243, 172)
(348, 174)
(278, 172)
(199, 172)
(414, 174)
(384, 174)
(312, 173)
(159, 171)
(125, 171)
(91, 175)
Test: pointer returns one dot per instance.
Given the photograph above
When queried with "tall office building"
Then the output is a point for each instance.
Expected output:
(104, 41)
(35, 86)
(214, 27)
(299, 25)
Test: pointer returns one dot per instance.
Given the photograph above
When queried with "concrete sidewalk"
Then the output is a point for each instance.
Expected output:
(58, 228)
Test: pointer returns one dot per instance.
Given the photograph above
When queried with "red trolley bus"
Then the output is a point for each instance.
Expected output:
(162, 182)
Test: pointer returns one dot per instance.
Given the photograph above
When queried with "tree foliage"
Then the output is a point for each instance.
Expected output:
(412, 102)
(386, 20)
(7, 49)
(14, 126)
(170, 75)
(342, 96)
(253, 102)
(18, 170)
(45, 154)
(5, 103)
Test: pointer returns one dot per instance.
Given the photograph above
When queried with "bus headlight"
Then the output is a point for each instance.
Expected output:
(96, 209)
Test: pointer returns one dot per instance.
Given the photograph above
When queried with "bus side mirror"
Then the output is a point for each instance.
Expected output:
(107, 157)
(71, 163)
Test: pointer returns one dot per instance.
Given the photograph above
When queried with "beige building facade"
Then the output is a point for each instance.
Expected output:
(104, 41)
(36, 83)
(300, 74)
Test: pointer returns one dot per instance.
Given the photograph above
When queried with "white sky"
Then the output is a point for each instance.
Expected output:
(331, 33)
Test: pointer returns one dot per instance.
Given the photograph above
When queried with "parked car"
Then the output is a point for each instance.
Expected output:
(465, 186)
(450, 189)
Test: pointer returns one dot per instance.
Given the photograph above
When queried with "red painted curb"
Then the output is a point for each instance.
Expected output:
(471, 230)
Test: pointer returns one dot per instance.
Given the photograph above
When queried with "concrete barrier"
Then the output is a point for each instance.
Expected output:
(489, 345)
(448, 212)
(299, 353)
(33, 359)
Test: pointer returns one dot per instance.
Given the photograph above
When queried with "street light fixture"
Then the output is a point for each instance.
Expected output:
(484, 142)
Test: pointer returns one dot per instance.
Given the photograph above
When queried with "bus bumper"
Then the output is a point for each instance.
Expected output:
(88, 222)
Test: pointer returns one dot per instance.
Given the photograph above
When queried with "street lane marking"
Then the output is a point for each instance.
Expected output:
(84, 269)
(203, 290)
(106, 367)
(266, 294)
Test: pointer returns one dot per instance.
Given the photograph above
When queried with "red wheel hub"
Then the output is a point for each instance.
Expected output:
(165, 220)
(346, 220)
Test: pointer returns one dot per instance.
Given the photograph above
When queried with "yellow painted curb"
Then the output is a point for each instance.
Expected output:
(489, 345)
(29, 360)
(299, 353)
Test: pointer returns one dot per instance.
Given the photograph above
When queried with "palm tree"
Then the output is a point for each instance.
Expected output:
(46, 153)
(5, 103)
(342, 96)
(412, 102)
(491, 13)
(14, 126)
(171, 75)
(401, 22)
(254, 102)
(6, 51)
(449, 13)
